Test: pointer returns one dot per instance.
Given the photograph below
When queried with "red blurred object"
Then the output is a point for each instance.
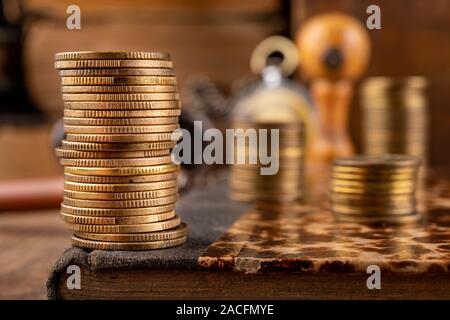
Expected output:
(28, 194)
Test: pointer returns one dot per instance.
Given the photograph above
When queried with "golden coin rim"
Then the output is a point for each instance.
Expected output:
(160, 113)
(121, 138)
(180, 231)
(124, 105)
(120, 204)
(120, 96)
(111, 72)
(128, 162)
(118, 80)
(117, 147)
(119, 89)
(77, 129)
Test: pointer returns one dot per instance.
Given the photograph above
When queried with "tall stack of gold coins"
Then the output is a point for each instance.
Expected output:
(395, 116)
(120, 112)
(248, 184)
(375, 188)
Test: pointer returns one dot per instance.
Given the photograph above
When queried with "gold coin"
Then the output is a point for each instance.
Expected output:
(145, 146)
(122, 114)
(180, 231)
(387, 198)
(121, 129)
(371, 211)
(118, 80)
(288, 165)
(121, 138)
(91, 55)
(102, 245)
(259, 195)
(121, 187)
(119, 96)
(255, 175)
(93, 64)
(286, 153)
(123, 171)
(241, 197)
(118, 89)
(121, 179)
(117, 212)
(119, 121)
(75, 154)
(130, 162)
(116, 72)
(124, 105)
(395, 220)
(374, 202)
(368, 191)
(279, 186)
(117, 220)
(120, 204)
(132, 228)
(137, 195)
(374, 171)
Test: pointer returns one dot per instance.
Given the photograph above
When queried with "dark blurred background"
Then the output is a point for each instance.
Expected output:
(210, 38)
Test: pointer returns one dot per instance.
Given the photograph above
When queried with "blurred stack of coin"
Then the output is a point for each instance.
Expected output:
(120, 112)
(395, 116)
(375, 188)
(248, 184)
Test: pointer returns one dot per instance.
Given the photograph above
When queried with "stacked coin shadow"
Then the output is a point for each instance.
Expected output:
(375, 188)
(395, 116)
(120, 113)
(248, 184)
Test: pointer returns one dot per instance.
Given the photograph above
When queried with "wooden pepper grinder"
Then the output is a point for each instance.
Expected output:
(334, 50)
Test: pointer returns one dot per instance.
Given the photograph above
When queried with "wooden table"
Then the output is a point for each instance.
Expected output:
(30, 243)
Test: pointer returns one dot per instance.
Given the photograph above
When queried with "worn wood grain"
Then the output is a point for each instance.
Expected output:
(30, 242)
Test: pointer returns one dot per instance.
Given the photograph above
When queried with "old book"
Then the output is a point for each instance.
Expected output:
(235, 252)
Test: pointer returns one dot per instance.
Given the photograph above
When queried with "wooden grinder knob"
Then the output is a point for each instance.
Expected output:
(334, 49)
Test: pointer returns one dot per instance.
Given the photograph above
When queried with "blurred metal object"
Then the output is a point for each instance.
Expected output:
(334, 49)
(274, 103)
(395, 116)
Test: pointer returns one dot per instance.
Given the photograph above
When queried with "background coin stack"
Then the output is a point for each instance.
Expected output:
(120, 110)
(375, 188)
(395, 116)
(246, 182)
